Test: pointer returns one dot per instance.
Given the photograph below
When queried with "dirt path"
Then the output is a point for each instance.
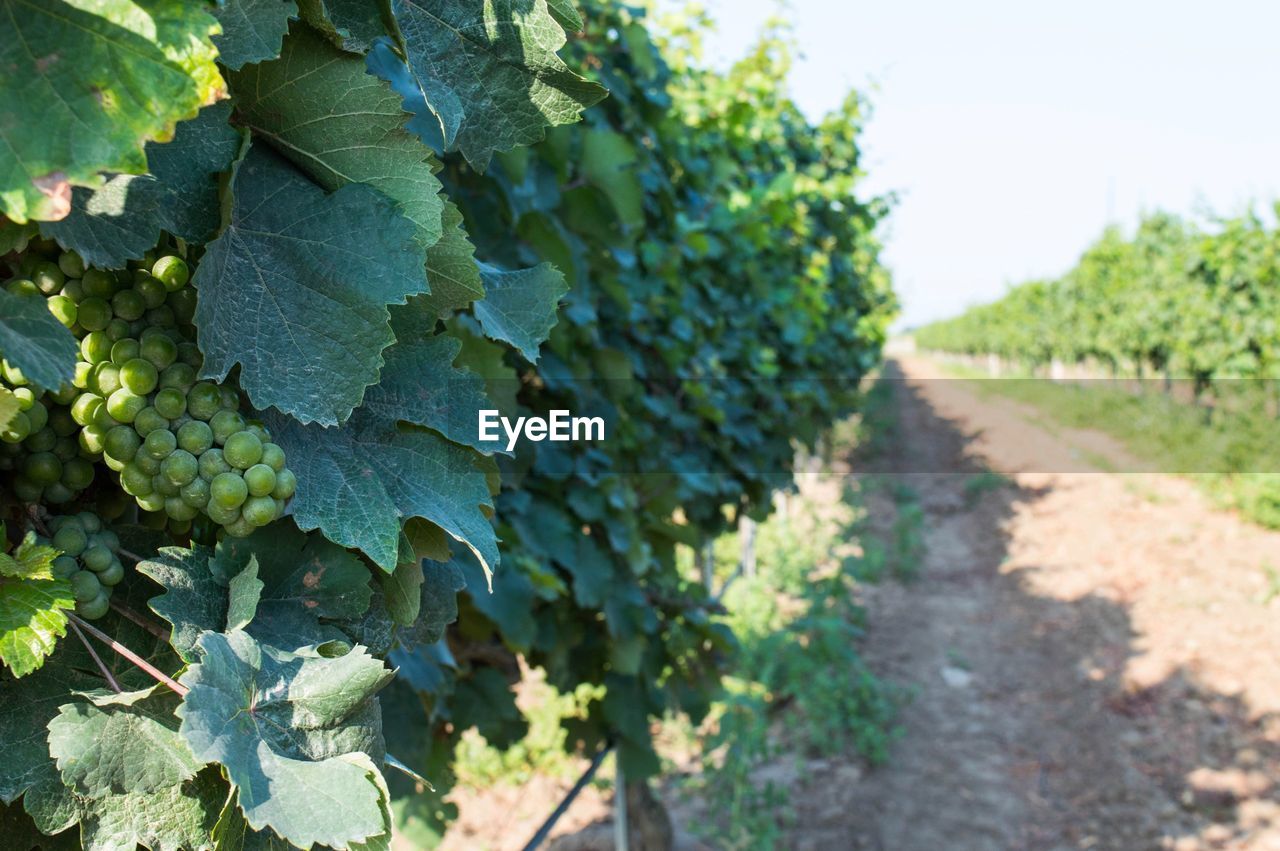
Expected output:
(1093, 656)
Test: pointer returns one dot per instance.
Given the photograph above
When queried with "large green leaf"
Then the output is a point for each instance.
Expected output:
(451, 268)
(608, 161)
(320, 108)
(35, 342)
(350, 24)
(252, 30)
(519, 307)
(121, 744)
(296, 289)
(104, 78)
(303, 578)
(123, 220)
(273, 720)
(490, 73)
(29, 705)
(173, 818)
(33, 607)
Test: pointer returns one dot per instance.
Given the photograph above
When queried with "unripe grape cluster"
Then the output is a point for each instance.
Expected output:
(89, 560)
(41, 445)
(180, 446)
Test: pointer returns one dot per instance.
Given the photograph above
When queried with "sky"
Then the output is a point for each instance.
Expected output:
(1013, 132)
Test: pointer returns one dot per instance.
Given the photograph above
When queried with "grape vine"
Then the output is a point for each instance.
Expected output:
(254, 545)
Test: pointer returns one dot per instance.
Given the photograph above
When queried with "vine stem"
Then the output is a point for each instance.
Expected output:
(160, 676)
(127, 554)
(111, 681)
(151, 627)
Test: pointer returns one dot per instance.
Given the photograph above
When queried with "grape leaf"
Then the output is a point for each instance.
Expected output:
(352, 25)
(566, 14)
(30, 703)
(252, 708)
(490, 73)
(320, 108)
(173, 818)
(193, 601)
(33, 606)
(252, 30)
(451, 268)
(121, 744)
(519, 307)
(402, 590)
(314, 274)
(438, 602)
(122, 220)
(104, 80)
(608, 161)
(35, 342)
(245, 593)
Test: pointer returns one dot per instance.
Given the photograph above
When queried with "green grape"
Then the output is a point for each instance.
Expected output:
(94, 314)
(61, 423)
(12, 374)
(170, 402)
(242, 450)
(71, 264)
(261, 480)
(220, 514)
(151, 291)
(37, 416)
(259, 432)
(113, 464)
(241, 528)
(195, 493)
(23, 287)
(124, 405)
(25, 397)
(77, 474)
(66, 448)
(47, 277)
(189, 353)
(97, 558)
(73, 289)
(42, 441)
(98, 283)
(64, 310)
(109, 539)
(224, 424)
(85, 586)
(160, 350)
(228, 490)
(70, 539)
(135, 482)
(162, 317)
(147, 464)
(113, 574)
(128, 305)
(153, 501)
(57, 494)
(181, 467)
(118, 329)
(64, 566)
(176, 508)
(82, 410)
(259, 510)
(91, 523)
(124, 351)
(203, 400)
(96, 347)
(195, 437)
(42, 468)
(81, 377)
(92, 439)
(160, 443)
(105, 379)
(181, 376)
(26, 490)
(212, 463)
(149, 420)
(163, 486)
(183, 304)
(139, 376)
(172, 271)
(95, 608)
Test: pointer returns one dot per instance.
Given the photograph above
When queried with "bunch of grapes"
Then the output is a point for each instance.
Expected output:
(181, 447)
(89, 561)
(40, 445)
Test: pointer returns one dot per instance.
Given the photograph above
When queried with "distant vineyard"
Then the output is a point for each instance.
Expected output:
(1175, 300)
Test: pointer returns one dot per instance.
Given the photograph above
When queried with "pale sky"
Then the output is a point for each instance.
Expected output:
(1014, 131)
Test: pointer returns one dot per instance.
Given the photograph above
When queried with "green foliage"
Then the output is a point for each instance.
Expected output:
(33, 606)
(376, 258)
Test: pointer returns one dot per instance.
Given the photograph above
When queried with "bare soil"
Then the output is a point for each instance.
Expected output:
(1091, 657)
